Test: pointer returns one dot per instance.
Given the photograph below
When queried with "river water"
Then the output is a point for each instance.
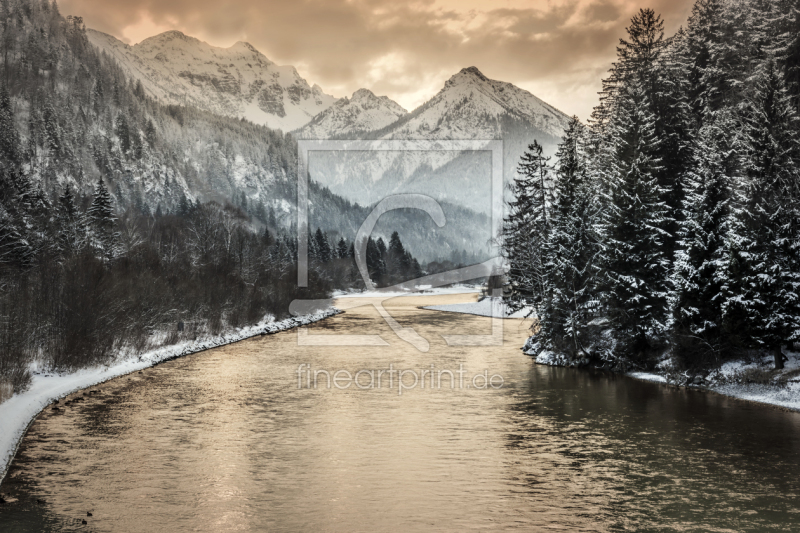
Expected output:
(234, 439)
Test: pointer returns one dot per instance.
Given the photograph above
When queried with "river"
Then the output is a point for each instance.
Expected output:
(235, 439)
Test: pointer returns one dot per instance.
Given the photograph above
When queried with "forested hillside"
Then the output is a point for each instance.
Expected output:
(121, 218)
(79, 119)
(126, 224)
(670, 225)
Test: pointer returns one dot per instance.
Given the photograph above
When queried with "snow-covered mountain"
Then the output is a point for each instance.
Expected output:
(241, 82)
(469, 106)
(238, 81)
(362, 113)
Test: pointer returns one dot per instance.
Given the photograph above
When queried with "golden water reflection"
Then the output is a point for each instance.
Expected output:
(226, 441)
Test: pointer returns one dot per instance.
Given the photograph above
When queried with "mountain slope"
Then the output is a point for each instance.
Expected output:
(238, 81)
(363, 112)
(469, 106)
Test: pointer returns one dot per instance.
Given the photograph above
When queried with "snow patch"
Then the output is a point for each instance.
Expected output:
(648, 376)
(421, 290)
(491, 307)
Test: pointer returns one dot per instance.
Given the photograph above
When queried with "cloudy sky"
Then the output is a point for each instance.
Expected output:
(557, 49)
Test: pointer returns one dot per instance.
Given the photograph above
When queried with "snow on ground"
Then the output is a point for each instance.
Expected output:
(781, 388)
(493, 307)
(18, 412)
(787, 396)
(422, 290)
(647, 376)
(754, 381)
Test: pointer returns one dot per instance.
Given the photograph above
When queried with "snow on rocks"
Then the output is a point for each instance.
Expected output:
(19, 410)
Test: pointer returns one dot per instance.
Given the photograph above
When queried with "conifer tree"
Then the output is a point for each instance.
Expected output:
(122, 131)
(323, 247)
(375, 263)
(150, 133)
(70, 230)
(636, 269)
(9, 137)
(313, 247)
(341, 248)
(526, 229)
(100, 218)
(16, 249)
(52, 131)
(572, 251)
(397, 261)
(696, 306)
(761, 281)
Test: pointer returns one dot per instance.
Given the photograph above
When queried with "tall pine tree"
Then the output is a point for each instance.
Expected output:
(761, 279)
(635, 265)
(572, 250)
(526, 229)
(101, 220)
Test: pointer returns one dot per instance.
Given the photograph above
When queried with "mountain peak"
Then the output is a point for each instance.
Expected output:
(461, 108)
(246, 46)
(472, 70)
(364, 111)
(468, 74)
(237, 81)
(173, 34)
(363, 94)
(167, 36)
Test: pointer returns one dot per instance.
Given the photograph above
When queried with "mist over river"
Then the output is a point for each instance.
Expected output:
(235, 439)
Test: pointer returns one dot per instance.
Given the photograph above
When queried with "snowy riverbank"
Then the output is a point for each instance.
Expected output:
(17, 412)
(753, 381)
(490, 307)
(423, 290)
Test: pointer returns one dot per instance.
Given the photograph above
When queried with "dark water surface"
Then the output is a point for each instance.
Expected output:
(225, 441)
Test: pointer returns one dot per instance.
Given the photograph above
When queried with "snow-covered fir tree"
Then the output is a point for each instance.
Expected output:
(526, 228)
(572, 251)
(634, 261)
(761, 280)
(697, 305)
(100, 220)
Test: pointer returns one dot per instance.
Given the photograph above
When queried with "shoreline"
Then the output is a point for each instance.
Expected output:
(749, 393)
(20, 410)
(785, 397)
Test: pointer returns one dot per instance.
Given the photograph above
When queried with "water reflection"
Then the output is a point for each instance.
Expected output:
(224, 440)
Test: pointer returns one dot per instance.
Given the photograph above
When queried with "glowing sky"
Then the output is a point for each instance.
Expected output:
(557, 49)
